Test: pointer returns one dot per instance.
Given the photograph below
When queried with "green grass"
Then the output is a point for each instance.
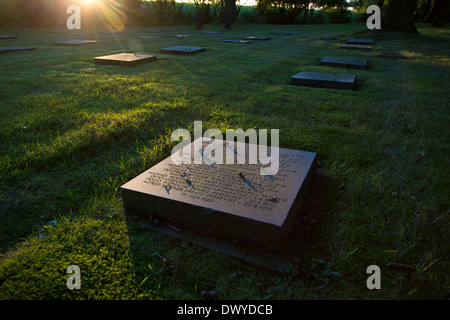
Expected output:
(73, 132)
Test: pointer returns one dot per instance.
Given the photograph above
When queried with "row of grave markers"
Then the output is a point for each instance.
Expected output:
(303, 78)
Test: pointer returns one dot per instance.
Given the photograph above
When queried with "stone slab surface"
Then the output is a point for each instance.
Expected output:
(15, 49)
(75, 42)
(212, 32)
(344, 62)
(176, 36)
(148, 37)
(287, 33)
(125, 59)
(257, 38)
(7, 37)
(233, 201)
(360, 41)
(182, 50)
(324, 80)
(236, 41)
(356, 46)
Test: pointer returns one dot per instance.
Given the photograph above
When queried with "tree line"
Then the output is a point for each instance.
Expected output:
(397, 14)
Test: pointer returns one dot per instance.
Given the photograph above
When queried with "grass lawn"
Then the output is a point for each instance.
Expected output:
(72, 132)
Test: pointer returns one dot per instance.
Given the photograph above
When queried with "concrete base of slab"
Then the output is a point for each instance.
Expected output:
(344, 62)
(324, 80)
(275, 260)
(15, 49)
(125, 59)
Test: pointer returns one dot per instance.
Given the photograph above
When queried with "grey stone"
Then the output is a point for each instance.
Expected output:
(237, 41)
(113, 32)
(7, 37)
(229, 201)
(148, 37)
(257, 38)
(344, 62)
(212, 32)
(75, 42)
(181, 50)
(176, 36)
(15, 49)
(288, 33)
(356, 46)
(125, 59)
(324, 80)
(360, 41)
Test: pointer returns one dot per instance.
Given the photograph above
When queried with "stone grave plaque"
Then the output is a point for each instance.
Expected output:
(360, 41)
(148, 37)
(15, 49)
(288, 33)
(176, 36)
(125, 59)
(7, 37)
(236, 41)
(113, 32)
(356, 46)
(324, 80)
(212, 32)
(181, 50)
(71, 43)
(234, 202)
(344, 62)
(153, 30)
(257, 38)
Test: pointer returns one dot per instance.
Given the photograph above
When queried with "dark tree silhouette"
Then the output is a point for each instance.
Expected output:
(399, 16)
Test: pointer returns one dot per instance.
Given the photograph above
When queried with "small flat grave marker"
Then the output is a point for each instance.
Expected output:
(237, 41)
(148, 37)
(72, 43)
(212, 32)
(15, 49)
(324, 80)
(288, 33)
(154, 30)
(360, 41)
(113, 32)
(181, 50)
(257, 38)
(225, 202)
(7, 37)
(125, 59)
(344, 62)
(176, 35)
(356, 46)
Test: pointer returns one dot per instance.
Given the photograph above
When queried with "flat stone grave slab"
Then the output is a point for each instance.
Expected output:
(153, 30)
(288, 33)
(181, 50)
(237, 41)
(360, 41)
(231, 203)
(176, 36)
(125, 59)
(15, 49)
(324, 80)
(148, 37)
(344, 62)
(356, 46)
(257, 38)
(7, 37)
(113, 32)
(212, 32)
(72, 43)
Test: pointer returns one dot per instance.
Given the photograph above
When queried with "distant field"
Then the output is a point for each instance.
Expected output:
(72, 132)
